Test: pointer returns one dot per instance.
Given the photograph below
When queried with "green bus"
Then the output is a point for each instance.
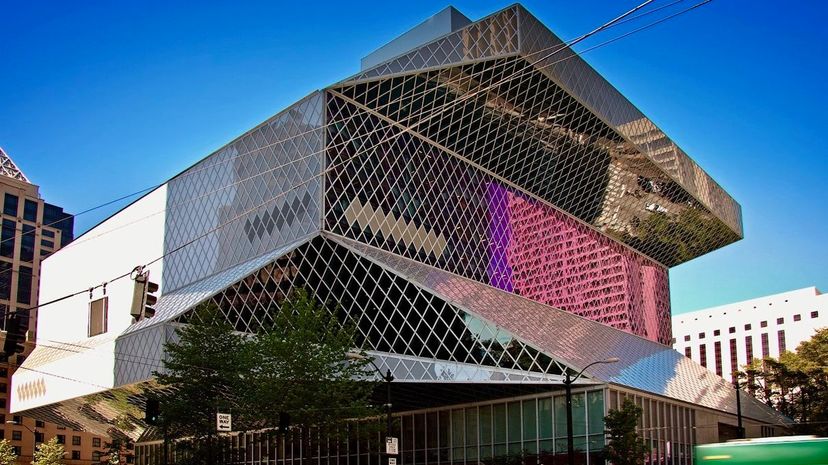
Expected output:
(785, 450)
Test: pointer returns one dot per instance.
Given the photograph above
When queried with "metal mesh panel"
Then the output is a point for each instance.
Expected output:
(390, 314)
(397, 191)
(259, 192)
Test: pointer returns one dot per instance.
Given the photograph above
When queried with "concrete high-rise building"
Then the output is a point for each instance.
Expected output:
(32, 230)
(725, 338)
(489, 212)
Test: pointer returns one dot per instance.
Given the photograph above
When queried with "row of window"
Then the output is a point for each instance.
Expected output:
(10, 207)
(24, 282)
(748, 326)
(717, 347)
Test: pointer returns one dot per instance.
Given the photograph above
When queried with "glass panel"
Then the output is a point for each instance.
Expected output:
(485, 425)
(560, 417)
(545, 417)
(457, 435)
(30, 210)
(5, 280)
(24, 285)
(27, 243)
(7, 238)
(419, 431)
(596, 412)
(578, 414)
(10, 205)
(499, 416)
(431, 430)
(471, 433)
(514, 421)
(530, 427)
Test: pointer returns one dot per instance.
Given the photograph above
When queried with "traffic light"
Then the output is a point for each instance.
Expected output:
(15, 335)
(152, 412)
(143, 297)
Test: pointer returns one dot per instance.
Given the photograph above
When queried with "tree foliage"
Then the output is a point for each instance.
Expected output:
(49, 453)
(7, 455)
(297, 365)
(625, 446)
(796, 384)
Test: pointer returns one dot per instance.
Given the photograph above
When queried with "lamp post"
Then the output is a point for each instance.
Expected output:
(387, 378)
(570, 439)
(737, 385)
(33, 431)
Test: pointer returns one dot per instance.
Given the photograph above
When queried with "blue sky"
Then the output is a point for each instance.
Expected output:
(99, 99)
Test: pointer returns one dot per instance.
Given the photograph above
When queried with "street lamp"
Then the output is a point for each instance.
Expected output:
(570, 439)
(387, 377)
(738, 386)
(33, 431)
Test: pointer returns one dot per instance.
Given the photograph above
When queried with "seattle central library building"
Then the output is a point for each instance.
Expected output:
(483, 204)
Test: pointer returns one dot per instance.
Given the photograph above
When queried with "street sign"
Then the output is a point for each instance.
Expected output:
(224, 422)
(392, 460)
(391, 446)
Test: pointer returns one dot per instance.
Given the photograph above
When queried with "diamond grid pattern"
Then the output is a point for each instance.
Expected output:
(390, 314)
(496, 35)
(645, 365)
(513, 121)
(483, 230)
(264, 188)
(9, 168)
(578, 77)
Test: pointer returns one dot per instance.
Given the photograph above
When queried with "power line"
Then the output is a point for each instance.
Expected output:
(191, 172)
(394, 136)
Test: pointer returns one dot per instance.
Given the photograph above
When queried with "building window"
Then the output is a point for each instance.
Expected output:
(747, 327)
(61, 439)
(17, 435)
(27, 243)
(687, 338)
(17, 419)
(47, 243)
(4, 387)
(701, 335)
(688, 352)
(765, 346)
(763, 324)
(40, 424)
(749, 348)
(47, 233)
(24, 285)
(10, 205)
(75, 455)
(5, 280)
(780, 321)
(717, 353)
(731, 330)
(17, 451)
(814, 314)
(703, 355)
(716, 332)
(797, 317)
(30, 210)
(780, 336)
(96, 456)
(96, 442)
(76, 440)
(38, 436)
(98, 316)
(734, 359)
(7, 238)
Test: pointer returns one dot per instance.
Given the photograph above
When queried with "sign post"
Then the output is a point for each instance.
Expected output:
(224, 422)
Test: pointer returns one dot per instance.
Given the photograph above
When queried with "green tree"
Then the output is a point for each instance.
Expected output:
(7, 455)
(296, 365)
(49, 453)
(625, 446)
(796, 384)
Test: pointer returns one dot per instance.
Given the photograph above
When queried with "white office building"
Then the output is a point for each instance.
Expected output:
(725, 338)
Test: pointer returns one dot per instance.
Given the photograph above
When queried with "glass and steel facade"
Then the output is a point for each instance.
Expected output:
(489, 213)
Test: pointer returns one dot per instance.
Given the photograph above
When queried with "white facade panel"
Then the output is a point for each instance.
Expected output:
(788, 318)
(57, 371)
